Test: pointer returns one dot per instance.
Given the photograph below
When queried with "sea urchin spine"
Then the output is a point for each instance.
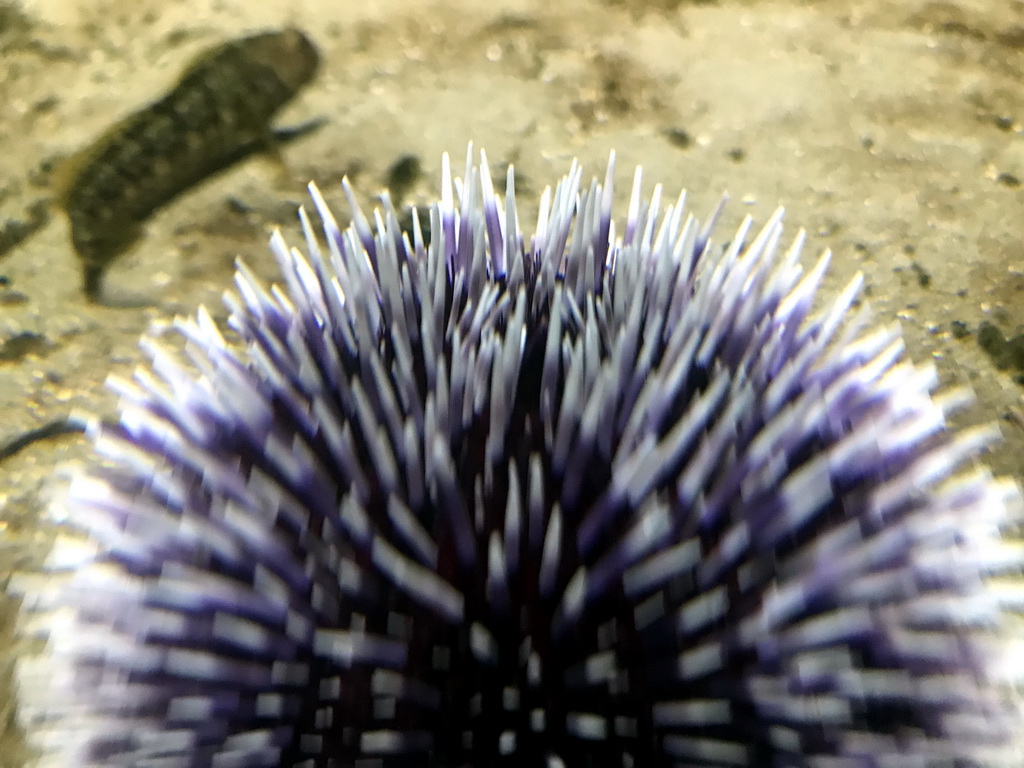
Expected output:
(582, 499)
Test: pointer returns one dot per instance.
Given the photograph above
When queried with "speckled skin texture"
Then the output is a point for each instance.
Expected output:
(224, 102)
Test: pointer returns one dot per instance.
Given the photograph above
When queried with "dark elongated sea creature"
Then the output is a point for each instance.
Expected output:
(604, 495)
(219, 111)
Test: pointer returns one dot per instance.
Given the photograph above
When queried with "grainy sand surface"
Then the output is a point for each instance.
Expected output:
(891, 131)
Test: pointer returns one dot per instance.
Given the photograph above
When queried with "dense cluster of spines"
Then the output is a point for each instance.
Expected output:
(582, 500)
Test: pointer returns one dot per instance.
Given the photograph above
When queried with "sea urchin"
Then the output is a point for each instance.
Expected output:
(585, 499)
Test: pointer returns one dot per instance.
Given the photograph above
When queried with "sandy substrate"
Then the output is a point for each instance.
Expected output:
(891, 131)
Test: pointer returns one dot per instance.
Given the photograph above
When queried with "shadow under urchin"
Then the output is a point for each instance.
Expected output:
(587, 498)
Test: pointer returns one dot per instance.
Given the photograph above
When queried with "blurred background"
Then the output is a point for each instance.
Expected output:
(891, 132)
